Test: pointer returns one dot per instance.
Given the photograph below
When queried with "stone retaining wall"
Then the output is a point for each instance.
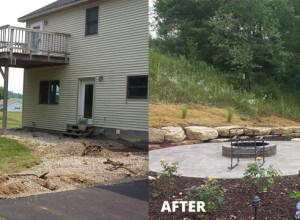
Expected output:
(200, 133)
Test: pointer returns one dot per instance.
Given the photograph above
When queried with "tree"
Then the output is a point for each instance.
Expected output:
(247, 37)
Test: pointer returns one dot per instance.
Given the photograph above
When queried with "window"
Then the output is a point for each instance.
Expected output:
(49, 92)
(137, 87)
(91, 26)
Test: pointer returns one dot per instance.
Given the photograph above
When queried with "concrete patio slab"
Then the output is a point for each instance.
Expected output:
(203, 160)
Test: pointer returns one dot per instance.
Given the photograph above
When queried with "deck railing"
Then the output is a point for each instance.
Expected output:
(33, 42)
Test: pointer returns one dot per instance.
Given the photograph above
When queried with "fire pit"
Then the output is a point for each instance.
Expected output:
(270, 149)
(251, 146)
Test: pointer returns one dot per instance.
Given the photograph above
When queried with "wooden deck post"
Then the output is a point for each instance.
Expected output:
(5, 100)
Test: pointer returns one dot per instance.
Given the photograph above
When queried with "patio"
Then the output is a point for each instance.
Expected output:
(203, 160)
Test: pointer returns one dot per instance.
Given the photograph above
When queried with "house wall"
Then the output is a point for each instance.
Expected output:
(120, 49)
(15, 107)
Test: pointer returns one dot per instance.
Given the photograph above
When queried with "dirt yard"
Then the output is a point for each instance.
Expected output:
(68, 164)
(161, 114)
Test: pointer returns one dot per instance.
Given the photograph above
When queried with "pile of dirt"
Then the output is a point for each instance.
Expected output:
(161, 114)
(71, 164)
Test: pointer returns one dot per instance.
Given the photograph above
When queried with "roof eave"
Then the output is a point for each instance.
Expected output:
(56, 9)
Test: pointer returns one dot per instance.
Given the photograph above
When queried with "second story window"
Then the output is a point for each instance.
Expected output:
(49, 92)
(92, 16)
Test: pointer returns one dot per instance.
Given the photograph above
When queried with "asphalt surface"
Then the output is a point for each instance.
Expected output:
(121, 201)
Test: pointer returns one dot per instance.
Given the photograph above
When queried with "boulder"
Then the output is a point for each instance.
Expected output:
(173, 134)
(224, 131)
(282, 130)
(201, 133)
(295, 135)
(296, 139)
(258, 131)
(156, 135)
(296, 130)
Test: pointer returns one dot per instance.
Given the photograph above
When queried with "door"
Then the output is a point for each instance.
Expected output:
(86, 102)
(36, 38)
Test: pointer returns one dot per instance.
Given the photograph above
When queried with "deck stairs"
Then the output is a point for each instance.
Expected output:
(74, 131)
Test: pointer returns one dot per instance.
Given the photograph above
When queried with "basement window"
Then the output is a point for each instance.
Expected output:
(49, 92)
(92, 16)
(137, 87)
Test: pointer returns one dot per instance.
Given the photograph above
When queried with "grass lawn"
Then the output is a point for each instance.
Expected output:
(16, 157)
(14, 120)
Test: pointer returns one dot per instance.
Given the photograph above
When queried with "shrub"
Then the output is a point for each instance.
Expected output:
(260, 178)
(210, 192)
(295, 195)
(229, 115)
(184, 112)
(166, 179)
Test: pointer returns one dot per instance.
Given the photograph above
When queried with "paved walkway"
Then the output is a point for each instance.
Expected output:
(122, 201)
(203, 160)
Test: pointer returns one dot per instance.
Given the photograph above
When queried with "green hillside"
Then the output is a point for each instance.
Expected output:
(178, 80)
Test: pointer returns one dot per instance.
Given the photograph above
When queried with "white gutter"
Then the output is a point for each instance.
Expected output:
(56, 9)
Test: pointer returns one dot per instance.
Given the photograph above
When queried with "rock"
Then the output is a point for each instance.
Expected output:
(220, 140)
(224, 131)
(258, 131)
(296, 139)
(173, 134)
(156, 135)
(201, 133)
(49, 185)
(281, 130)
(295, 135)
(296, 130)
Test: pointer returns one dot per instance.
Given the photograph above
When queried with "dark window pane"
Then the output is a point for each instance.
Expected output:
(92, 28)
(137, 87)
(54, 92)
(88, 101)
(92, 16)
(44, 91)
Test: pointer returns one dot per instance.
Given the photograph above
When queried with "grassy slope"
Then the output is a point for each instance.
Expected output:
(15, 157)
(14, 120)
(176, 80)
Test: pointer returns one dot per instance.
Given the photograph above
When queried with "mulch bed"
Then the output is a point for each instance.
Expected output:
(275, 204)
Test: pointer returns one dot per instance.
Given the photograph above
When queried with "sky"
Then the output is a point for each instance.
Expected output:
(11, 10)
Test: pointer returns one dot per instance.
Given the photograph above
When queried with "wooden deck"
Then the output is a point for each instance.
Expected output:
(29, 48)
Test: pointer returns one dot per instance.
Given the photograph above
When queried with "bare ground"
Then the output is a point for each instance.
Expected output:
(71, 163)
(162, 114)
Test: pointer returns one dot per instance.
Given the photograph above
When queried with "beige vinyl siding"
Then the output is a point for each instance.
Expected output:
(119, 49)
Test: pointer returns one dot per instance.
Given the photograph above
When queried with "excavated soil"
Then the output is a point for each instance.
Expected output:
(71, 163)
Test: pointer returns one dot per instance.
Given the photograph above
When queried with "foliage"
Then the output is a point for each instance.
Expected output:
(211, 193)
(262, 179)
(179, 80)
(82, 121)
(184, 111)
(166, 179)
(230, 115)
(295, 195)
(247, 37)
(255, 43)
